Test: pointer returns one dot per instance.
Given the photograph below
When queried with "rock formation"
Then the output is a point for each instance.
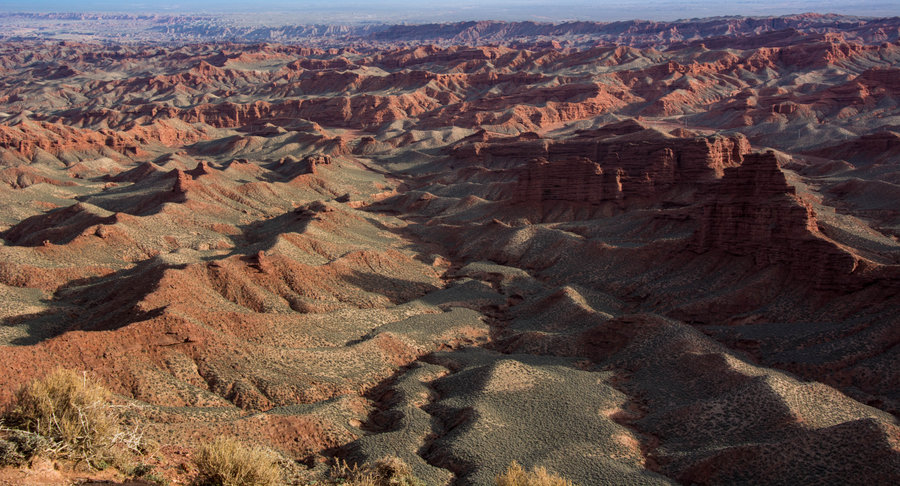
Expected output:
(755, 212)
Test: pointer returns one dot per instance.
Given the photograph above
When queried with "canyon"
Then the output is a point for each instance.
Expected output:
(632, 253)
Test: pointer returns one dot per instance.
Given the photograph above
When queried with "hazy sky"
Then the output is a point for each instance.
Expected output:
(447, 10)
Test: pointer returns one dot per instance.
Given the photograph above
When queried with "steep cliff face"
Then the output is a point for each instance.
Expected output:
(639, 164)
(755, 212)
(669, 160)
(575, 180)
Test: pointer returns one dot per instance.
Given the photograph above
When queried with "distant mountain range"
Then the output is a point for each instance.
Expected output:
(638, 33)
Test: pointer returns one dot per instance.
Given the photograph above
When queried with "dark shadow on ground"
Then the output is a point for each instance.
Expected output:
(112, 302)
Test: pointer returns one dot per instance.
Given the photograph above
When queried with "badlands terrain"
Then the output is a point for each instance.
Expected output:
(663, 255)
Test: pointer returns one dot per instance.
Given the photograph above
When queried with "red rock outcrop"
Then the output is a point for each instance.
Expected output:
(25, 138)
(30, 138)
(573, 180)
(637, 165)
(756, 213)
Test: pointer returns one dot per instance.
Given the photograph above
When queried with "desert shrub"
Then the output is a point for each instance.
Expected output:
(145, 473)
(17, 447)
(71, 412)
(228, 462)
(516, 475)
(9, 454)
(389, 471)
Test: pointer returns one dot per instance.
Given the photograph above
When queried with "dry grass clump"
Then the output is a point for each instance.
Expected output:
(389, 471)
(71, 412)
(228, 462)
(516, 475)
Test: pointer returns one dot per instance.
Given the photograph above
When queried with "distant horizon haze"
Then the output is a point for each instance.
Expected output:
(397, 11)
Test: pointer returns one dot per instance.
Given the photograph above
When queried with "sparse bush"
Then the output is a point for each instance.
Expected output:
(146, 473)
(17, 447)
(72, 413)
(9, 454)
(228, 462)
(516, 475)
(389, 471)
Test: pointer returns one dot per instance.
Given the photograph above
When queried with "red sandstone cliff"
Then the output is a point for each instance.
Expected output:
(756, 213)
(639, 164)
